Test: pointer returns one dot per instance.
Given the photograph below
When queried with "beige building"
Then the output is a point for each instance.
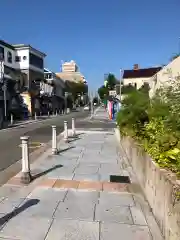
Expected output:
(70, 66)
(139, 76)
(70, 72)
(168, 73)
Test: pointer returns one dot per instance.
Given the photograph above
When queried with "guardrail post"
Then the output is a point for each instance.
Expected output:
(26, 175)
(54, 141)
(65, 131)
(73, 127)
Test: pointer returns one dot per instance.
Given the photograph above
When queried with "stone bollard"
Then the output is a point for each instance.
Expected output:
(12, 121)
(48, 114)
(35, 116)
(65, 131)
(73, 127)
(54, 141)
(26, 175)
(56, 112)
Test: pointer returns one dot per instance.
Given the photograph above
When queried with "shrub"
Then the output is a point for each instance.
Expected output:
(155, 124)
(133, 114)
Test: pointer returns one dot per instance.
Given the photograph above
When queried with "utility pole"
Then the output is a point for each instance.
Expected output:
(4, 83)
(91, 101)
(120, 85)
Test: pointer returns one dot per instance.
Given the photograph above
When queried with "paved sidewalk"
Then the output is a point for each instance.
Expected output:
(73, 199)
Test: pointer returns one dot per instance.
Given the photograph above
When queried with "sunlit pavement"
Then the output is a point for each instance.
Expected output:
(72, 197)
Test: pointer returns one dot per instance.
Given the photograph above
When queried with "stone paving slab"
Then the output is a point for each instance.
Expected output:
(75, 210)
(82, 196)
(48, 194)
(73, 230)
(138, 216)
(26, 229)
(86, 177)
(88, 169)
(9, 204)
(63, 173)
(111, 213)
(39, 209)
(116, 199)
(123, 231)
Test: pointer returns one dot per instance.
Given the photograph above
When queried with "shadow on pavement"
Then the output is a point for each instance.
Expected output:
(18, 210)
(46, 171)
(76, 136)
(73, 139)
(64, 150)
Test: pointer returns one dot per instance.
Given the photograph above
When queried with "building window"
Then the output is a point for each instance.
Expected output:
(36, 61)
(9, 57)
(24, 57)
(1, 53)
(49, 76)
(17, 58)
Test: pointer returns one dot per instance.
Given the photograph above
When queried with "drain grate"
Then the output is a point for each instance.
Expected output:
(119, 179)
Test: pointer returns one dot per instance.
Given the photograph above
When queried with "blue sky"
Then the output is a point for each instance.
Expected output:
(101, 36)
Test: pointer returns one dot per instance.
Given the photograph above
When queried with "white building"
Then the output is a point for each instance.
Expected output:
(52, 78)
(55, 88)
(163, 78)
(139, 76)
(24, 66)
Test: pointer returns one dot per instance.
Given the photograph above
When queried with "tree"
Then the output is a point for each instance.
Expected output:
(76, 88)
(111, 81)
(103, 91)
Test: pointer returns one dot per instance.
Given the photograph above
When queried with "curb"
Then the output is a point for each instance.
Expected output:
(15, 126)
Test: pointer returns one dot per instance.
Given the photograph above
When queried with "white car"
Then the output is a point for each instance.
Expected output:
(86, 108)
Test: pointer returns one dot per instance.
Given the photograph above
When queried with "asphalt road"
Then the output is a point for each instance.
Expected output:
(10, 152)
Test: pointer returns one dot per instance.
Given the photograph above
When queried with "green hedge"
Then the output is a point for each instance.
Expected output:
(155, 123)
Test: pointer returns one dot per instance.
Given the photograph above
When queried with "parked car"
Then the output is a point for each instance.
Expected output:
(86, 108)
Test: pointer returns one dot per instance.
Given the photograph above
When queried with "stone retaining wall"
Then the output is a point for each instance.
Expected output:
(159, 187)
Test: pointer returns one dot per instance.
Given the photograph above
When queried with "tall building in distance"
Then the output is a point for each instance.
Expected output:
(70, 72)
(70, 66)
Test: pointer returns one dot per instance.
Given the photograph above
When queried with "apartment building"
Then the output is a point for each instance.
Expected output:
(23, 72)
(31, 62)
(54, 88)
(14, 81)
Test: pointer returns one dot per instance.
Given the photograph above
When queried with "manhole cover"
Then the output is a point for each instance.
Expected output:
(34, 144)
